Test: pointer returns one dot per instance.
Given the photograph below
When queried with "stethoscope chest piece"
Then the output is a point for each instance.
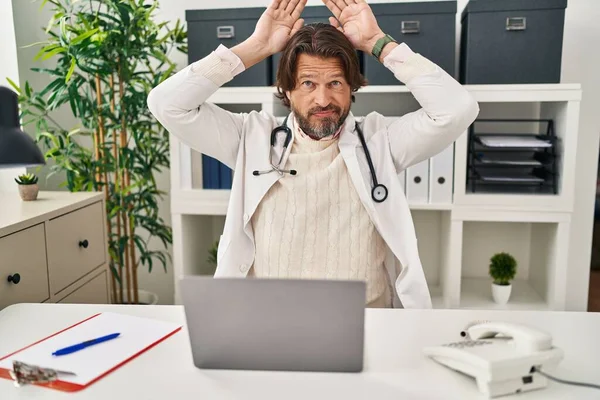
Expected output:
(379, 193)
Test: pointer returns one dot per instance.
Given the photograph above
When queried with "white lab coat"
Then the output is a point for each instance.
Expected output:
(241, 141)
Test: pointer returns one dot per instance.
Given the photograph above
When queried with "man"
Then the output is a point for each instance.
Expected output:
(315, 209)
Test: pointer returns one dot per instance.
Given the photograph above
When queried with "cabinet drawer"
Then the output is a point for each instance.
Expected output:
(76, 245)
(24, 261)
(94, 291)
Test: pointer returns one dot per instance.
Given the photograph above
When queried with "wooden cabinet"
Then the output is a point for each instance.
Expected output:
(54, 249)
(93, 291)
(76, 245)
(23, 267)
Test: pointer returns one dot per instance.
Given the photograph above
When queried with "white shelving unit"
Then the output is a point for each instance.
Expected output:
(456, 239)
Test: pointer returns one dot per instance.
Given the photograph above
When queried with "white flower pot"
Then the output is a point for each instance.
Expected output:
(144, 297)
(501, 293)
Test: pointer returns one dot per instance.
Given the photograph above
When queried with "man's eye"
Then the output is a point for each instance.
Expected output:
(336, 83)
(307, 83)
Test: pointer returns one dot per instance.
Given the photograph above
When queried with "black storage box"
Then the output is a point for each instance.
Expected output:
(512, 41)
(428, 28)
(209, 28)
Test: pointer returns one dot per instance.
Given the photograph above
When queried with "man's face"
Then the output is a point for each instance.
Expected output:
(322, 96)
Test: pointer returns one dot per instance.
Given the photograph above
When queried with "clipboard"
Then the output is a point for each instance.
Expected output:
(138, 335)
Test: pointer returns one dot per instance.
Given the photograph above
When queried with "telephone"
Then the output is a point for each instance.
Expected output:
(502, 357)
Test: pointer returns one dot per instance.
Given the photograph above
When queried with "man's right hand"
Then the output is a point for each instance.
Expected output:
(278, 24)
(280, 21)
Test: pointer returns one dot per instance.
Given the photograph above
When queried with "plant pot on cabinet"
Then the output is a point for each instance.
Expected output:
(144, 297)
(29, 192)
(501, 293)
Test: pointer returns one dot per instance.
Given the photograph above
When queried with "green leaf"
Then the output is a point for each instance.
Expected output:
(74, 132)
(84, 36)
(71, 70)
(54, 52)
(34, 44)
(50, 24)
(14, 85)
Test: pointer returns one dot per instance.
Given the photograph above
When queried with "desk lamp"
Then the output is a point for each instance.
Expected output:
(17, 149)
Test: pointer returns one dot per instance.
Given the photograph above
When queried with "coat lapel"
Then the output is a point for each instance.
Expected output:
(348, 144)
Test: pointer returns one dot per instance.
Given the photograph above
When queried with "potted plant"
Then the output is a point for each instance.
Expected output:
(106, 57)
(212, 254)
(28, 187)
(503, 268)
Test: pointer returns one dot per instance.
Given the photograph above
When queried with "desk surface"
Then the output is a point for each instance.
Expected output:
(394, 365)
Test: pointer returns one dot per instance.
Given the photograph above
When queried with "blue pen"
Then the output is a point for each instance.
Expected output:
(83, 345)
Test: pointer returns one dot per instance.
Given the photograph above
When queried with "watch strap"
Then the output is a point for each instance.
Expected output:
(380, 44)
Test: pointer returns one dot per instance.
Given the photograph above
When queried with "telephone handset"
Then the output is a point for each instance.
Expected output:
(502, 357)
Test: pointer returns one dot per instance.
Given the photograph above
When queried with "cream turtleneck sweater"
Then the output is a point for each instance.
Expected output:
(313, 225)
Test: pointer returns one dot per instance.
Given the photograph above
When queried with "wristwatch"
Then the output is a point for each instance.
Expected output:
(380, 44)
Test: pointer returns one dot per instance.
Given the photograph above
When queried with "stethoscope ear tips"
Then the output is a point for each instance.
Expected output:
(255, 173)
(293, 172)
(379, 193)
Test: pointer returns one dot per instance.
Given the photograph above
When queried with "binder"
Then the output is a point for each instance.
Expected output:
(210, 172)
(225, 176)
(417, 183)
(441, 177)
(91, 364)
(215, 174)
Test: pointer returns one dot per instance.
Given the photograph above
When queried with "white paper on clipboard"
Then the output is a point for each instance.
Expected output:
(137, 334)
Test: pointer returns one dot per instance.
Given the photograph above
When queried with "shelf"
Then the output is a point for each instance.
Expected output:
(482, 93)
(476, 293)
(455, 239)
(215, 202)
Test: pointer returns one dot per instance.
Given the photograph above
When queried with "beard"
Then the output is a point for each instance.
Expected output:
(323, 127)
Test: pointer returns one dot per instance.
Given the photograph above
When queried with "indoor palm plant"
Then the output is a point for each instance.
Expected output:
(109, 54)
(503, 268)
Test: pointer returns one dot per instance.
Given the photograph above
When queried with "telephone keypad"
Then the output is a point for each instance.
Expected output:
(468, 343)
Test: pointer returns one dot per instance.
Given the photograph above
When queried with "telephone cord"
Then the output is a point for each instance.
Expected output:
(588, 385)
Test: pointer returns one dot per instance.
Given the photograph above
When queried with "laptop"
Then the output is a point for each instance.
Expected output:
(275, 324)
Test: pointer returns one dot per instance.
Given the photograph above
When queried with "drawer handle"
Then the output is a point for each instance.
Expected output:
(516, 23)
(411, 27)
(225, 32)
(84, 243)
(417, 179)
(16, 278)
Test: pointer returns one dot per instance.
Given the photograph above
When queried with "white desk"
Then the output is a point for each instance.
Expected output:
(395, 367)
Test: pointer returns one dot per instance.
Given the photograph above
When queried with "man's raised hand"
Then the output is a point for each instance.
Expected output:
(277, 24)
(357, 22)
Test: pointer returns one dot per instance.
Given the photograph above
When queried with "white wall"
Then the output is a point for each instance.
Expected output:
(9, 68)
(580, 64)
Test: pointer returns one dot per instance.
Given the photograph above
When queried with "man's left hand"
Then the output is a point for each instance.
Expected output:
(357, 22)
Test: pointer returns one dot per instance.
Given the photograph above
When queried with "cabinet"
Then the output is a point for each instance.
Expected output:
(53, 249)
(458, 234)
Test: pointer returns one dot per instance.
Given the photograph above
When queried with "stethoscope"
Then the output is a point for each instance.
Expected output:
(378, 192)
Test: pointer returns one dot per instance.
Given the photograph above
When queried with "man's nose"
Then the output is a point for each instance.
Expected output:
(322, 96)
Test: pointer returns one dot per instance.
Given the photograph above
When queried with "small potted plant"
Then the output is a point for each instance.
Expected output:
(28, 187)
(212, 254)
(503, 268)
